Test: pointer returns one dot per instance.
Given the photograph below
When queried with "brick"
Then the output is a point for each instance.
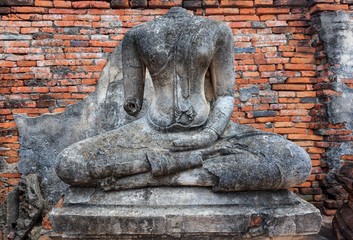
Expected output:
(276, 23)
(289, 130)
(9, 153)
(14, 43)
(294, 112)
(13, 181)
(298, 3)
(298, 23)
(300, 67)
(261, 3)
(237, 3)
(247, 11)
(15, 23)
(269, 40)
(266, 11)
(90, 4)
(5, 10)
(5, 111)
(264, 68)
(29, 89)
(67, 11)
(71, 37)
(339, 138)
(264, 18)
(332, 132)
(305, 143)
(310, 191)
(300, 80)
(209, 3)
(50, 42)
(315, 150)
(7, 63)
(305, 185)
(222, 11)
(29, 10)
(26, 63)
(304, 137)
(16, 2)
(241, 18)
(301, 106)
(347, 157)
(103, 43)
(290, 87)
(293, 17)
(328, 7)
(119, 3)
(272, 119)
(8, 139)
(192, 5)
(283, 30)
(43, 3)
(240, 25)
(140, 3)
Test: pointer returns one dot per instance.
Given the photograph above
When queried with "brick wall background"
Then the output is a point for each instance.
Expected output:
(52, 53)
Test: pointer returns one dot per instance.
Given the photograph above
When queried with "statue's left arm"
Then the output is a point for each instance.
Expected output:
(223, 83)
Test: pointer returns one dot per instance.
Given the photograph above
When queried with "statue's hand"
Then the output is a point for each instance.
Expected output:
(200, 140)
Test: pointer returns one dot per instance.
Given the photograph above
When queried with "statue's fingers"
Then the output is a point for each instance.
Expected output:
(185, 145)
(181, 149)
(184, 142)
(174, 148)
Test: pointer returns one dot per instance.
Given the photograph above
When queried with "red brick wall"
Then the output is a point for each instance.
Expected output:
(52, 53)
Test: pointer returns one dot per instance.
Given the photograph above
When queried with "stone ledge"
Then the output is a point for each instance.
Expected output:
(220, 218)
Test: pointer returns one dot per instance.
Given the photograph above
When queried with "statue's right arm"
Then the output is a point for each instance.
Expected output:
(134, 75)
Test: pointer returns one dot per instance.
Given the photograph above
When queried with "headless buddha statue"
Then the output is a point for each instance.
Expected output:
(186, 138)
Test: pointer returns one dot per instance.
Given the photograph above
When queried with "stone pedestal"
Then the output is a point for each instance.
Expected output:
(184, 213)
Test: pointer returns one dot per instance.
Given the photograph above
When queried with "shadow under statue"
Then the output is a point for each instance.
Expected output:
(184, 143)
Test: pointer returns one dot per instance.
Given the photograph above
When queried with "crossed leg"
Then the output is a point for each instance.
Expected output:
(243, 159)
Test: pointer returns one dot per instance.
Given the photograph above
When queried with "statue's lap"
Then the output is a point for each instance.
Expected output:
(242, 159)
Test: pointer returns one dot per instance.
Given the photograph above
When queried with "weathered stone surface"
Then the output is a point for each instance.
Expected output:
(184, 213)
(184, 139)
(30, 206)
(18, 217)
(42, 138)
(179, 196)
(9, 212)
(247, 92)
(336, 34)
(333, 155)
(345, 177)
(343, 220)
(191, 63)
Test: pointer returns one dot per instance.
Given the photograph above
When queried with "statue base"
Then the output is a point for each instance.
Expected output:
(184, 213)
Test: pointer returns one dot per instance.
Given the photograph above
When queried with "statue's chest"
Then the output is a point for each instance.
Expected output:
(185, 49)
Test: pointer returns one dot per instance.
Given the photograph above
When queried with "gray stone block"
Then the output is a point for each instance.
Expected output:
(184, 213)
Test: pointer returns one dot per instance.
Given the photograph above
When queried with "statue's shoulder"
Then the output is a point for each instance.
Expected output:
(136, 30)
(161, 24)
(220, 28)
(142, 30)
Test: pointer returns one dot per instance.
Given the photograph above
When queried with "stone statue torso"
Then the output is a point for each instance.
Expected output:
(180, 50)
(177, 49)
